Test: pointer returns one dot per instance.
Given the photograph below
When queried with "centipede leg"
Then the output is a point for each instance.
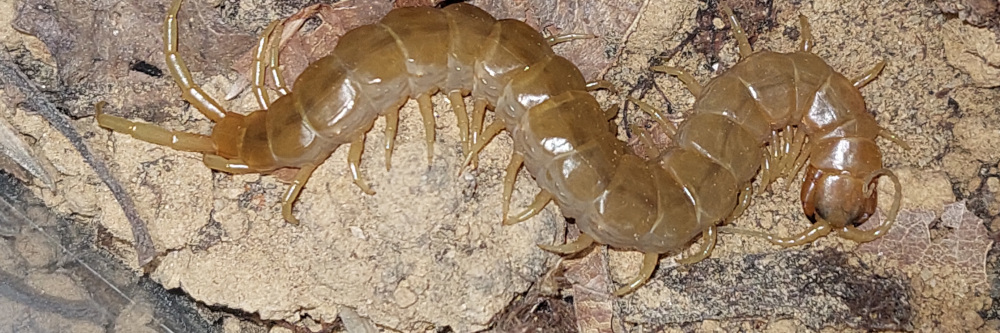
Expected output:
(155, 134)
(219, 163)
(806, 43)
(354, 161)
(868, 75)
(427, 113)
(487, 136)
(793, 158)
(601, 84)
(888, 135)
(796, 145)
(478, 116)
(646, 139)
(658, 116)
(768, 169)
(293, 192)
(580, 244)
(509, 178)
(259, 68)
(708, 244)
(541, 199)
(553, 40)
(649, 261)
(190, 91)
(741, 36)
(689, 81)
(462, 116)
(391, 125)
(746, 195)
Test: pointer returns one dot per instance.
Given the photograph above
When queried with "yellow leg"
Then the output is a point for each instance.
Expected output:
(427, 113)
(293, 192)
(708, 238)
(580, 244)
(657, 115)
(216, 162)
(567, 37)
(646, 140)
(191, 92)
(155, 134)
(746, 195)
(354, 161)
(484, 140)
(391, 125)
(868, 75)
(886, 134)
(601, 84)
(478, 115)
(689, 81)
(806, 42)
(541, 199)
(649, 261)
(741, 36)
(462, 117)
(509, 178)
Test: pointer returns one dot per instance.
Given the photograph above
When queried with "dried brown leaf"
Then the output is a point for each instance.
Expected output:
(95, 42)
(958, 243)
(592, 298)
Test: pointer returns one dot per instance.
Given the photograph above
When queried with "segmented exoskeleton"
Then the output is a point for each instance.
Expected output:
(559, 130)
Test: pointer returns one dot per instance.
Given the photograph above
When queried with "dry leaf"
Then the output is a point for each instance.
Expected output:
(960, 248)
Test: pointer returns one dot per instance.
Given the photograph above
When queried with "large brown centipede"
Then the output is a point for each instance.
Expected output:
(617, 198)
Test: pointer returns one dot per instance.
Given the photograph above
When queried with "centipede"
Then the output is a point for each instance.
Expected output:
(764, 118)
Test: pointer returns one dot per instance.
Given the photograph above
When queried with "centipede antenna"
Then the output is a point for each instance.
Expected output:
(190, 90)
(259, 69)
(862, 236)
(275, 62)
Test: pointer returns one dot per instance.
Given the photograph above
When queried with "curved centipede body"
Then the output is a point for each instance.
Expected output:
(560, 135)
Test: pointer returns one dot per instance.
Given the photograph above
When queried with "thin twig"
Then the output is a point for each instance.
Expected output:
(38, 102)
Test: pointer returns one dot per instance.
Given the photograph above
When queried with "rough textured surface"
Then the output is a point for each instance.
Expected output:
(817, 288)
(429, 242)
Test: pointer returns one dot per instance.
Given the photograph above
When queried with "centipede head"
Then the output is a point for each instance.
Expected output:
(839, 198)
